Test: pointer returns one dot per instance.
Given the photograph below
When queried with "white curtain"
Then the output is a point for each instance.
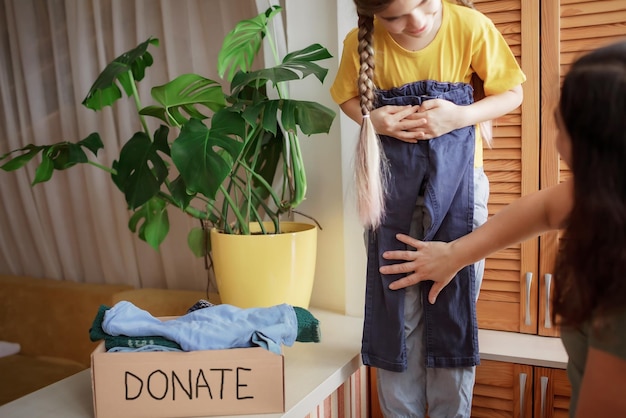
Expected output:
(74, 227)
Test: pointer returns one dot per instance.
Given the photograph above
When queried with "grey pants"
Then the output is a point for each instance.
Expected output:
(447, 391)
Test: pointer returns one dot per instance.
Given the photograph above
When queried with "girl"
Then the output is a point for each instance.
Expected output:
(590, 290)
(405, 74)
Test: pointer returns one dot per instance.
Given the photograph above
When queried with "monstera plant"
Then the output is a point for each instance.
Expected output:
(228, 157)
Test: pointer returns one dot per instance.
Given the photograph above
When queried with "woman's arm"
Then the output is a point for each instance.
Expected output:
(602, 389)
(524, 218)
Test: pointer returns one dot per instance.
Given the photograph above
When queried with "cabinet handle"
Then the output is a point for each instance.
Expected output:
(544, 390)
(529, 281)
(548, 319)
(522, 389)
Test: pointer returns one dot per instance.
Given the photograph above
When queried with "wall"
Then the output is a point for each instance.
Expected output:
(340, 271)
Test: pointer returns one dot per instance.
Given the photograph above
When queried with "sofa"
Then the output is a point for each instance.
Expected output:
(48, 320)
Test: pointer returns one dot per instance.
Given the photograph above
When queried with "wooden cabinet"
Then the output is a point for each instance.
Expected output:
(574, 28)
(504, 390)
(552, 393)
(512, 165)
(516, 290)
(515, 390)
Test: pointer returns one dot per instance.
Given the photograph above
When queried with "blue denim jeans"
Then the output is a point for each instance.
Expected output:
(447, 391)
(441, 170)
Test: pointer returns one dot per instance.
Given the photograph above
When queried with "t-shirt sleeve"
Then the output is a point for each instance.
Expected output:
(494, 61)
(612, 338)
(344, 86)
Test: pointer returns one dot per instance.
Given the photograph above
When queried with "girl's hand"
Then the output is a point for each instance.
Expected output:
(432, 261)
(397, 121)
(438, 117)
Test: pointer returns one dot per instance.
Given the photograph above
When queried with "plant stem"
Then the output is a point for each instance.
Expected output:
(244, 225)
(103, 167)
(133, 85)
(190, 210)
(294, 167)
(297, 171)
(270, 40)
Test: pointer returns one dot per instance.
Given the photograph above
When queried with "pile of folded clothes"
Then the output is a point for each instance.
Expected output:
(125, 327)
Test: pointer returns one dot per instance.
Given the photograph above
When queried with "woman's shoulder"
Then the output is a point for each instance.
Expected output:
(609, 334)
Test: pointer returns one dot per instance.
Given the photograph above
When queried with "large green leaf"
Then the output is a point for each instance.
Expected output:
(198, 241)
(157, 225)
(311, 117)
(104, 91)
(242, 44)
(266, 112)
(59, 156)
(179, 192)
(197, 153)
(27, 153)
(140, 169)
(229, 121)
(296, 65)
(151, 222)
(186, 93)
(303, 60)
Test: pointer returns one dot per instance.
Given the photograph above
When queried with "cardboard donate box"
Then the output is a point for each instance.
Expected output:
(236, 381)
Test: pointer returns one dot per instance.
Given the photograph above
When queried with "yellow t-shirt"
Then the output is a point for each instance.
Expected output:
(466, 42)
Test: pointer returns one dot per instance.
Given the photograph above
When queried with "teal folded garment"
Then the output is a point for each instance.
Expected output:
(308, 326)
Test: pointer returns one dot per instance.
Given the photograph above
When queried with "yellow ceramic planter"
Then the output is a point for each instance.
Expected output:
(266, 270)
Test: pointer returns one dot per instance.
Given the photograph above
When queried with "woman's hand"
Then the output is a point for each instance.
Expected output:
(432, 261)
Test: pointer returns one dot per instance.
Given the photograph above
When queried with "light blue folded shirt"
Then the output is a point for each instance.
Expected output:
(215, 328)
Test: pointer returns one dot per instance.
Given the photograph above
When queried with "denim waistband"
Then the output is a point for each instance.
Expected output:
(418, 92)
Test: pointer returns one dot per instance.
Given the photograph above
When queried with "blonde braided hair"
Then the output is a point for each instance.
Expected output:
(371, 164)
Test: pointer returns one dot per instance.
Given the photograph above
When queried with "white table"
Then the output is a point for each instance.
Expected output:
(312, 370)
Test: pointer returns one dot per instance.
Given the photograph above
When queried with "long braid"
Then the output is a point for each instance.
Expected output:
(371, 164)
(366, 56)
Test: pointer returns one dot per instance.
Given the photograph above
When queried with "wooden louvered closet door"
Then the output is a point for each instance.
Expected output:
(512, 165)
(517, 286)
(569, 28)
